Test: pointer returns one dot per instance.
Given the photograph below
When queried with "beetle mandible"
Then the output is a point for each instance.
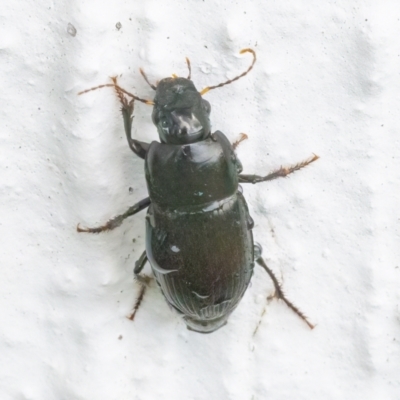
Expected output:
(199, 238)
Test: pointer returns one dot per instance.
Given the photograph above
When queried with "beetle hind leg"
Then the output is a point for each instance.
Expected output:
(143, 280)
(139, 265)
(279, 294)
(138, 301)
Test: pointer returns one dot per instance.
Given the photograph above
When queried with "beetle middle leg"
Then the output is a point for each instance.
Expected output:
(236, 143)
(279, 294)
(279, 173)
(117, 221)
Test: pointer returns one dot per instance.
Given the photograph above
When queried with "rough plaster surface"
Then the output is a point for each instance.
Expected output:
(326, 82)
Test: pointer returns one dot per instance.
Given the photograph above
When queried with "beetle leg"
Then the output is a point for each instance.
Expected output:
(139, 148)
(280, 294)
(142, 280)
(140, 263)
(279, 173)
(236, 143)
(117, 221)
(138, 301)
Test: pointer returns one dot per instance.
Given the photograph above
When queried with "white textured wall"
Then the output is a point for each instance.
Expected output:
(327, 81)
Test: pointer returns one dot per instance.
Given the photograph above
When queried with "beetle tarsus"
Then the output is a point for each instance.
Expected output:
(110, 225)
(282, 172)
(138, 301)
(279, 294)
(236, 143)
(143, 281)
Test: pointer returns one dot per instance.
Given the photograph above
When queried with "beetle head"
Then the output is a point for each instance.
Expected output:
(180, 114)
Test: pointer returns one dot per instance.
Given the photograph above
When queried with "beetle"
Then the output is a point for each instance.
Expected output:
(199, 239)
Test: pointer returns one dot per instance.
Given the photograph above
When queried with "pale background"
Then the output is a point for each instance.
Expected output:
(327, 81)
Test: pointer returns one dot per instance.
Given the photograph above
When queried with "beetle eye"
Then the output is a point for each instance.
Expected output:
(164, 122)
(206, 106)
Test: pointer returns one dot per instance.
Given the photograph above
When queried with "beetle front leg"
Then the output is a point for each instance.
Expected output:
(279, 173)
(139, 148)
(278, 287)
(117, 221)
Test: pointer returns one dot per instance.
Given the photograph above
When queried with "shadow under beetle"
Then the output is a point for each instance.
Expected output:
(199, 239)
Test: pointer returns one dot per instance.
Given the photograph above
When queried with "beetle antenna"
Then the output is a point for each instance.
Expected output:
(147, 80)
(95, 88)
(206, 89)
(189, 68)
(116, 86)
(145, 101)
